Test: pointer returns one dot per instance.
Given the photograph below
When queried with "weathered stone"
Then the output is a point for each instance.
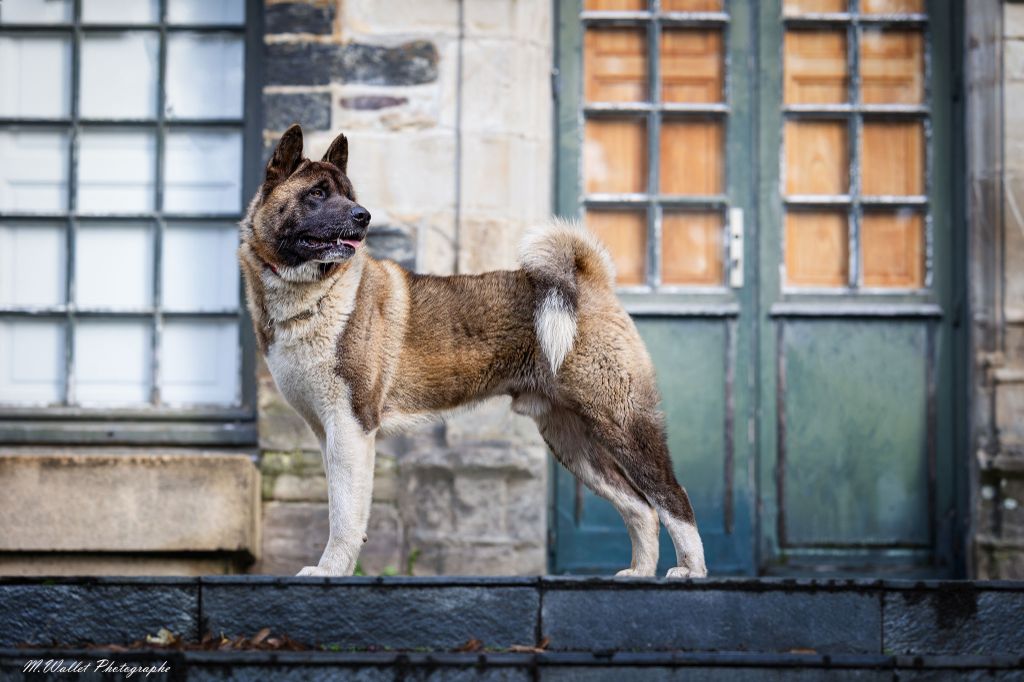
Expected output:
(957, 619)
(299, 17)
(410, 63)
(77, 563)
(391, 243)
(311, 110)
(382, 552)
(424, 17)
(1013, 20)
(299, 63)
(451, 555)
(371, 102)
(294, 535)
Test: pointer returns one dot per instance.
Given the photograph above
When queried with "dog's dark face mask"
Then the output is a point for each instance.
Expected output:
(308, 210)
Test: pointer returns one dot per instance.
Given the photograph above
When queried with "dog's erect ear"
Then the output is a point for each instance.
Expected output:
(287, 156)
(337, 153)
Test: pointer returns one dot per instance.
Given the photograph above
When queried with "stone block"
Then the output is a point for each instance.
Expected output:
(1010, 411)
(999, 563)
(954, 619)
(1013, 20)
(392, 243)
(300, 63)
(365, 18)
(437, 555)
(127, 501)
(410, 173)
(410, 63)
(371, 107)
(480, 502)
(491, 422)
(1013, 61)
(294, 535)
(74, 564)
(529, 23)
(382, 552)
(687, 618)
(311, 110)
(299, 17)
(506, 88)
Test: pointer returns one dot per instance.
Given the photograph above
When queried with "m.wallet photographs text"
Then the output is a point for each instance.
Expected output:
(65, 666)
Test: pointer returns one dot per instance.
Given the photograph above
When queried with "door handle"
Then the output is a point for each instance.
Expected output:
(736, 248)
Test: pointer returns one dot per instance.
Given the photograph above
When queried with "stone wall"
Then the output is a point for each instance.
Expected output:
(447, 107)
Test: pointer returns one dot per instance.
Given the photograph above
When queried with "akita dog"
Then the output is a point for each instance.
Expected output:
(360, 346)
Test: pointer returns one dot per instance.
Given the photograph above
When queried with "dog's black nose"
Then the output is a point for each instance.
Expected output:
(360, 216)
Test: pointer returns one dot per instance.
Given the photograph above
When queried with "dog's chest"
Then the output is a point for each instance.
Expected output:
(304, 371)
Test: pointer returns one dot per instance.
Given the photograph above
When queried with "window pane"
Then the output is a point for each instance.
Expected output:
(120, 12)
(113, 361)
(817, 250)
(691, 248)
(119, 75)
(34, 172)
(691, 5)
(892, 67)
(817, 160)
(615, 65)
(625, 235)
(692, 157)
(114, 266)
(199, 362)
(892, 244)
(616, 5)
(815, 67)
(31, 362)
(893, 158)
(115, 171)
(199, 268)
(204, 76)
(615, 156)
(205, 11)
(203, 172)
(35, 76)
(814, 6)
(891, 6)
(32, 264)
(35, 12)
(691, 65)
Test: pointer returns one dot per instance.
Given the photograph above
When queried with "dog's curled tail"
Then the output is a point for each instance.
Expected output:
(557, 256)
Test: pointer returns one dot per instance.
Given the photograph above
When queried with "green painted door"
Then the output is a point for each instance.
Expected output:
(769, 184)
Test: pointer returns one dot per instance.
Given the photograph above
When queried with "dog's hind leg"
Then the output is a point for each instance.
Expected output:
(568, 438)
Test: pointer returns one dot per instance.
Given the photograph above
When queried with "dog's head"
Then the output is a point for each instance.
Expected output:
(306, 211)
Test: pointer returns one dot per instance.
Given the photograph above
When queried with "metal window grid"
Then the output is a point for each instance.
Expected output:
(250, 32)
(854, 113)
(652, 112)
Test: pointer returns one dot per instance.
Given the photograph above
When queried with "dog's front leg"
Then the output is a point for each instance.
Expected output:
(348, 462)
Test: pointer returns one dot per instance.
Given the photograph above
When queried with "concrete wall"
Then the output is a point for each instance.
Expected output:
(447, 107)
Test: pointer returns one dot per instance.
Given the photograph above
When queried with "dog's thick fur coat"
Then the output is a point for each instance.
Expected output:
(360, 347)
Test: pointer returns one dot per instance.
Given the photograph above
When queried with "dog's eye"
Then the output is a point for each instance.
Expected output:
(316, 193)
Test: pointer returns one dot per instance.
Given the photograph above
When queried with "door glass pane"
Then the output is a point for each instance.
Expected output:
(120, 12)
(32, 263)
(625, 235)
(817, 249)
(893, 248)
(615, 65)
(199, 267)
(691, 248)
(199, 362)
(891, 6)
(892, 67)
(692, 157)
(115, 171)
(615, 156)
(205, 11)
(34, 171)
(691, 66)
(204, 76)
(817, 160)
(815, 67)
(31, 361)
(813, 6)
(114, 265)
(35, 76)
(119, 75)
(203, 172)
(893, 158)
(113, 361)
(35, 12)
(691, 5)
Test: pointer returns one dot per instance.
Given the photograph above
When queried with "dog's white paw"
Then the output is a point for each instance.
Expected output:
(680, 572)
(633, 573)
(312, 570)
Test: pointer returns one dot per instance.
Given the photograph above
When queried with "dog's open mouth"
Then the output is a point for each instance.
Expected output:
(327, 249)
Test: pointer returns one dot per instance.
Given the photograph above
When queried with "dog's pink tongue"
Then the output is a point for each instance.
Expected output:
(351, 242)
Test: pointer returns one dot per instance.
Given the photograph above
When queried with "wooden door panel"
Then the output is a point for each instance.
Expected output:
(691, 5)
(692, 157)
(892, 66)
(692, 248)
(615, 156)
(614, 5)
(892, 158)
(891, 6)
(615, 65)
(692, 68)
(624, 233)
(817, 158)
(814, 6)
(893, 249)
(817, 249)
(814, 64)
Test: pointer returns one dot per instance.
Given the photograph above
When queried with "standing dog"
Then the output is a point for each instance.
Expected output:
(360, 346)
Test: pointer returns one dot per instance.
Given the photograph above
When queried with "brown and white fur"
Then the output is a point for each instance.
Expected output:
(360, 347)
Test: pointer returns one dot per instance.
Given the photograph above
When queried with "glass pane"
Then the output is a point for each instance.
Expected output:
(113, 362)
(817, 159)
(892, 244)
(893, 158)
(814, 63)
(199, 268)
(892, 67)
(114, 265)
(814, 6)
(614, 5)
(206, 11)
(615, 156)
(615, 65)
(891, 6)
(691, 248)
(116, 171)
(625, 235)
(204, 76)
(199, 362)
(34, 172)
(120, 12)
(817, 249)
(203, 172)
(31, 362)
(119, 75)
(692, 157)
(32, 263)
(35, 12)
(691, 66)
(691, 5)
(35, 76)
